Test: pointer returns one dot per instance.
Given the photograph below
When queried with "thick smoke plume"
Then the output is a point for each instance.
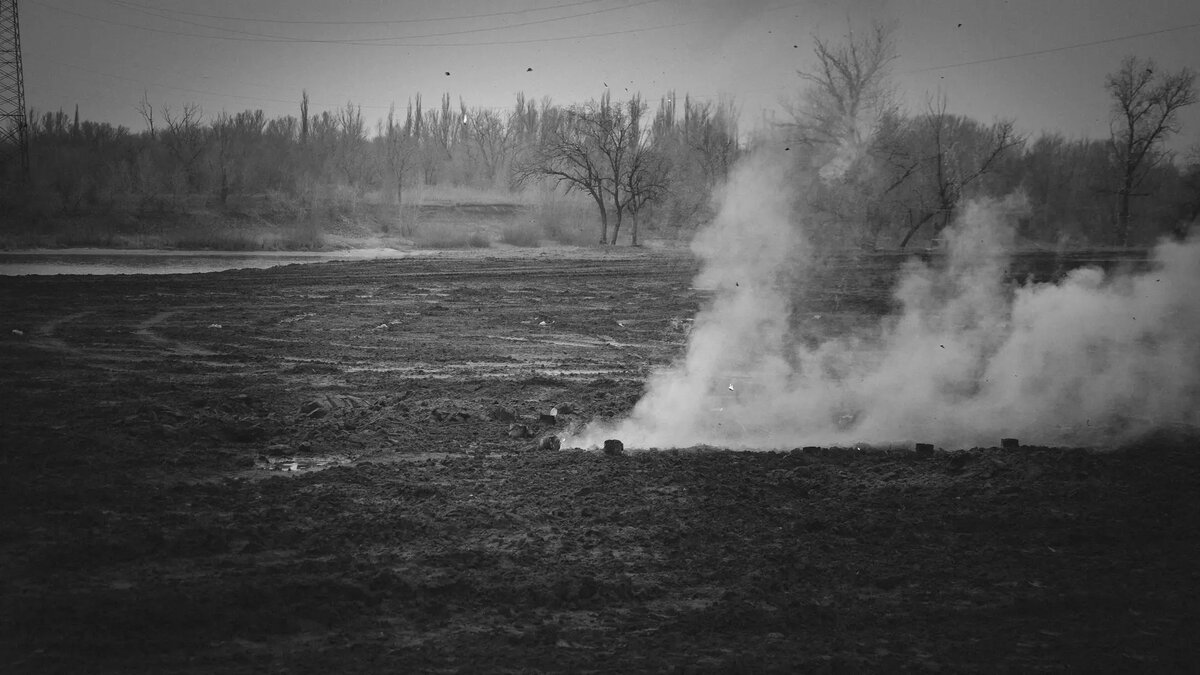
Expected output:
(968, 357)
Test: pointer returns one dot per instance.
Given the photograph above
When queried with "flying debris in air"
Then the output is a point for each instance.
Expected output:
(529, 70)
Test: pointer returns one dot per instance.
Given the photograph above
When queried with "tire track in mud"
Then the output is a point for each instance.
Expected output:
(386, 270)
(145, 331)
(46, 333)
(149, 333)
(46, 337)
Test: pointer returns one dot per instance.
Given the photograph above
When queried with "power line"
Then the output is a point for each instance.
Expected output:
(1057, 49)
(158, 85)
(236, 97)
(380, 42)
(357, 23)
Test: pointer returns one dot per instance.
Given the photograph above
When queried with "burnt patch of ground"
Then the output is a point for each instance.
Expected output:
(310, 469)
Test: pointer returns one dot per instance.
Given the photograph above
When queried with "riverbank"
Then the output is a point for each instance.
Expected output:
(444, 218)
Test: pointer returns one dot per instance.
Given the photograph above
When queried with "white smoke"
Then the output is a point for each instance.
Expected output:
(968, 358)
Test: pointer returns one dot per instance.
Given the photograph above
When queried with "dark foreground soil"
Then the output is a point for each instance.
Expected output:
(310, 469)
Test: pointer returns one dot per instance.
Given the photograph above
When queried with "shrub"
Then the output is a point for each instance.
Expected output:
(565, 220)
(432, 235)
(522, 234)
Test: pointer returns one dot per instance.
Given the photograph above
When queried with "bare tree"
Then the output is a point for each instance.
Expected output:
(1145, 111)
(647, 181)
(617, 135)
(961, 152)
(236, 139)
(400, 151)
(601, 149)
(146, 110)
(839, 122)
(492, 140)
(184, 136)
(711, 133)
(303, 116)
(569, 156)
(352, 157)
(848, 92)
(640, 175)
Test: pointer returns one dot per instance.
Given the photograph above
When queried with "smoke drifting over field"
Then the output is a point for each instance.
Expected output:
(967, 359)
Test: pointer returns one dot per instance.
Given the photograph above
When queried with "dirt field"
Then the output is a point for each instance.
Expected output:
(310, 469)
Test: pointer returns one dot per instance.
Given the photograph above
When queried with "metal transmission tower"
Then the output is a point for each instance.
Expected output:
(14, 132)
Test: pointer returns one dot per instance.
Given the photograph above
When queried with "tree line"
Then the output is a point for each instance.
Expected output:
(868, 174)
(878, 176)
(184, 159)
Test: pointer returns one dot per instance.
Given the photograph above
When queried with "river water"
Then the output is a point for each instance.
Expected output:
(109, 261)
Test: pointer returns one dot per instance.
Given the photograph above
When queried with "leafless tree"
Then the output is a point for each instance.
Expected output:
(146, 110)
(848, 91)
(352, 157)
(184, 136)
(961, 151)
(568, 155)
(618, 136)
(600, 149)
(303, 116)
(400, 151)
(492, 140)
(236, 138)
(1145, 111)
(647, 181)
(839, 123)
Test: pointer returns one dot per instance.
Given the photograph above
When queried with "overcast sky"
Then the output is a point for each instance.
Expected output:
(1039, 62)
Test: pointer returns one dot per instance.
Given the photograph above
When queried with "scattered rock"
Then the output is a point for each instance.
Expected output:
(278, 450)
(518, 431)
(313, 409)
(1010, 443)
(550, 419)
(18, 332)
(613, 447)
(549, 443)
(957, 461)
(323, 405)
(924, 449)
(563, 409)
(450, 417)
(498, 414)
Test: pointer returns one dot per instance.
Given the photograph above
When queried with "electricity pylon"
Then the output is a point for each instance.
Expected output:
(14, 131)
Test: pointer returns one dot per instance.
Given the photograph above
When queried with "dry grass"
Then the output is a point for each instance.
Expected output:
(444, 236)
(566, 219)
(458, 194)
(527, 235)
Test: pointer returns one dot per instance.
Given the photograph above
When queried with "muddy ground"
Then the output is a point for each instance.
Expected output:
(310, 469)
